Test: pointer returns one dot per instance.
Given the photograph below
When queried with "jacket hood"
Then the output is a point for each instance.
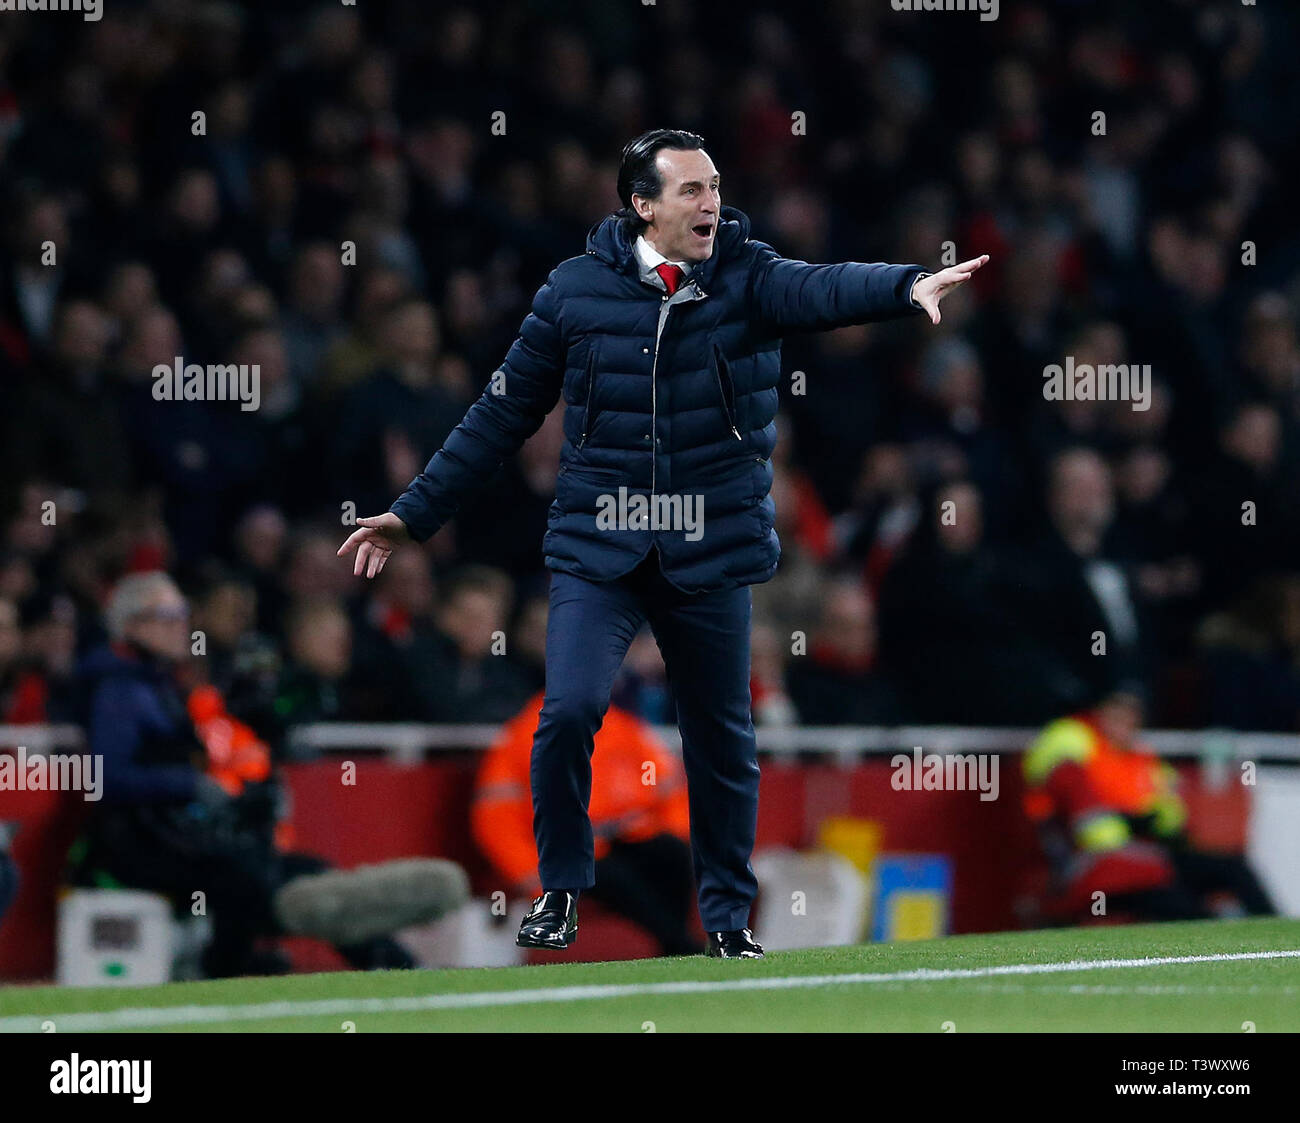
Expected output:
(612, 242)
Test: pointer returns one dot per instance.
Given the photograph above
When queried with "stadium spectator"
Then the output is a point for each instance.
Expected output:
(260, 541)
(317, 683)
(529, 632)
(1247, 509)
(838, 681)
(1252, 657)
(166, 823)
(1074, 602)
(242, 663)
(37, 652)
(884, 512)
(463, 670)
(400, 407)
(66, 423)
(948, 426)
(34, 283)
(1112, 821)
(772, 705)
(944, 607)
(313, 315)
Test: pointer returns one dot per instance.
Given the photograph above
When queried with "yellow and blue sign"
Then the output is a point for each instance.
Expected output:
(913, 895)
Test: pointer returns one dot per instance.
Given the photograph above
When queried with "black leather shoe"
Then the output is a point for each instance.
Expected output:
(552, 922)
(739, 944)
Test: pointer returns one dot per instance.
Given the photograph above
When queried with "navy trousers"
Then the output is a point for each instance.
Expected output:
(704, 638)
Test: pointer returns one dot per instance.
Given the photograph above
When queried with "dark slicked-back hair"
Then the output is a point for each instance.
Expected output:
(637, 174)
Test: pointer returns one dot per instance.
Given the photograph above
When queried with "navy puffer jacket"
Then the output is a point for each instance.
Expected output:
(665, 396)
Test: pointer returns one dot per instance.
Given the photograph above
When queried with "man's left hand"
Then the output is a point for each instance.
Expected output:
(928, 291)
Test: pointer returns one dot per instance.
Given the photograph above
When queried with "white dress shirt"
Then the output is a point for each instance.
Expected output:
(649, 257)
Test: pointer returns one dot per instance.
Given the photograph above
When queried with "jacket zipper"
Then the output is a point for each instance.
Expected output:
(728, 407)
(591, 378)
(665, 307)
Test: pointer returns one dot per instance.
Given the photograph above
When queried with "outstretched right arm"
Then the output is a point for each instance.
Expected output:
(510, 410)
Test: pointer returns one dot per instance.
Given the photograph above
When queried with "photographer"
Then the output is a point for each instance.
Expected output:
(188, 811)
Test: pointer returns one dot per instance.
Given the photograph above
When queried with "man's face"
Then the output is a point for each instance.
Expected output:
(1119, 718)
(322, 642)
(683, 221)
(162, 627)
(1082, 495)
(470, 618)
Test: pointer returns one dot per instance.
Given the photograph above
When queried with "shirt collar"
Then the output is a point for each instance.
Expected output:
(648, 257)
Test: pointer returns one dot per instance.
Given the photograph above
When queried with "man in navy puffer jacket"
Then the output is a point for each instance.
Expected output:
(664, 340)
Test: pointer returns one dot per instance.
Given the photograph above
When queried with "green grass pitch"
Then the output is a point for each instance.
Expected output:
(1236, 972)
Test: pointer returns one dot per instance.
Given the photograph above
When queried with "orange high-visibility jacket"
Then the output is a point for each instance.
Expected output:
(637, 791)
(236, 755)
(1074, 772)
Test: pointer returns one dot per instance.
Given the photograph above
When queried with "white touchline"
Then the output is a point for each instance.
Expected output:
(141, 1017)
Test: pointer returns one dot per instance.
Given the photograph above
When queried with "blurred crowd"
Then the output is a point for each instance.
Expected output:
(1088, 543)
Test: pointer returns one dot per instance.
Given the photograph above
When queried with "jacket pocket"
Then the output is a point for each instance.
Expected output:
(593, 472)
(726, 389)
(588, 418)
(579, 487)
